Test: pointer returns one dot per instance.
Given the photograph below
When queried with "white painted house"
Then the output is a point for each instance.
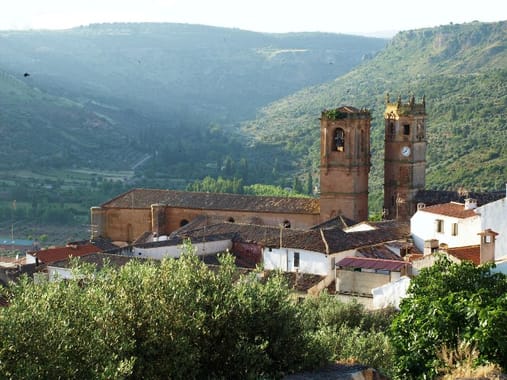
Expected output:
(296, 260)
(454, 224)
(174, 248)
(493, 216)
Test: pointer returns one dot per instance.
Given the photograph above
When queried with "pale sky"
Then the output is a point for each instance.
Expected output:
(277, 16)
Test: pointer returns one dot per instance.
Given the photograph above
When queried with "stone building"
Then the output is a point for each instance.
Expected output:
(344, 171)
(405, 156)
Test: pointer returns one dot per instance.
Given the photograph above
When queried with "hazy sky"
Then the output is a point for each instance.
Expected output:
(353, 16)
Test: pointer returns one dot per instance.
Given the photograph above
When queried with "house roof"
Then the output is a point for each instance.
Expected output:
(453, 209)
(98, 258)
(50, 255)
(340, 222)
(379, 251)
(367, 263)
(432, 197)
(144, 198)
(469, 253)
(325, 240)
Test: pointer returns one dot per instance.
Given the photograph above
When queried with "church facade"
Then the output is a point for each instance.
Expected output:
(344, 171)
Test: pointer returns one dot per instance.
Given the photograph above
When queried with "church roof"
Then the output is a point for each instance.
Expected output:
(144, 198)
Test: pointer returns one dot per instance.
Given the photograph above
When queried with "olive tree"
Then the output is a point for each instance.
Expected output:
(157, 320)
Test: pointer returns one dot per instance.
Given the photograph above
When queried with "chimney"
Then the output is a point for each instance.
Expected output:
(487, 245)
(430, 246)
(470, 204)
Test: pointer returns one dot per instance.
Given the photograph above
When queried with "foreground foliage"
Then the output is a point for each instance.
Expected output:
(175, 319)
(349, 332)
(449, 305)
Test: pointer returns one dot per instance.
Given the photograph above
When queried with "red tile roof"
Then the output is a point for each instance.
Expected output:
(366, 263)
(326, 241)
(456, 210)
(144, 198)
(50, 255)
(432, 197)
(470, 253)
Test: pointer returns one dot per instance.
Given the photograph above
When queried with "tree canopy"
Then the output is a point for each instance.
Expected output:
(174, 319)
(449, 304)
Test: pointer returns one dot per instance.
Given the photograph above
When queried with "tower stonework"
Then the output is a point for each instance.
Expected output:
(344, 163)
(404, 157)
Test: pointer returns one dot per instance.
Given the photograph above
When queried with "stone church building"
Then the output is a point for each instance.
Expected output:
(344, 170)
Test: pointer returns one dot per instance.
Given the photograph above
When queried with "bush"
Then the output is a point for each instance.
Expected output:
(448, 304)
(174, 319)
(349, 332)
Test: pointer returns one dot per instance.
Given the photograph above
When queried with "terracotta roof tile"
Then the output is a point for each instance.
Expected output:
(50, 255)
(432, 197)
(453, 209)
(470, 253)
(325, 241)
(144, 198)
(366, 263)
(97, 259)
(379, 251)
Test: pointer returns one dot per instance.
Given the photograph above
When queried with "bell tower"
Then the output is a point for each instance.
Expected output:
(344, 163)
(404, 157)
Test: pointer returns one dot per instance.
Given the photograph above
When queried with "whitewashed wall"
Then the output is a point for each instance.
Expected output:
(174, 251)
(494, 216)
(422, 227)
(56, 273)
(283, 259)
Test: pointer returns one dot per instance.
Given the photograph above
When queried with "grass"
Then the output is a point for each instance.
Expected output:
(461, 363)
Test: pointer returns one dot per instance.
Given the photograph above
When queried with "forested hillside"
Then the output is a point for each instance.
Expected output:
(462, 71)
(88, 112)
(150, 81)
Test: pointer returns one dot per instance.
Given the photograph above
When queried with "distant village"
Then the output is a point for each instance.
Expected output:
(322, 244)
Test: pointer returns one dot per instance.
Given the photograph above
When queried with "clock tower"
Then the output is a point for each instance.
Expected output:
(405, 156)
(344, 163)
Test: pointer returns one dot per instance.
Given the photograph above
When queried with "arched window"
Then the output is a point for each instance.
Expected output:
(339, 140)
(230, 220)
(392, 130)
(286, 224)
(183, 222)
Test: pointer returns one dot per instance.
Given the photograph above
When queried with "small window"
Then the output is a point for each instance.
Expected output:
(454, 229)
(406, 129)
(183, 222)
(339, 140)
(286, 224)
(439, 226)
(487, 239)
(296, 259)
(391, 129)
(230, 220)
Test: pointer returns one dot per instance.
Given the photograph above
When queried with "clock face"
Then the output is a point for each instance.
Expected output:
(405, 151)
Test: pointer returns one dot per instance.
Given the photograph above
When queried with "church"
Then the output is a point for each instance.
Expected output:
(344, 172)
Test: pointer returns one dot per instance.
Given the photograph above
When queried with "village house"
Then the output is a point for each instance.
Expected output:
(453, 224)
(462, 231)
